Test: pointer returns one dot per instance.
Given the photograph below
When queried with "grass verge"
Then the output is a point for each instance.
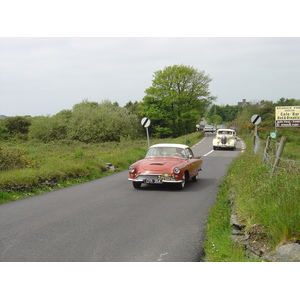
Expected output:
(270, 203)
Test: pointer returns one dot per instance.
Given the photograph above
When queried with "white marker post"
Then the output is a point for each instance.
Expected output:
(255, 119)
(145, 123)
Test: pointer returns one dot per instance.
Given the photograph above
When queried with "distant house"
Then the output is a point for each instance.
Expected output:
(244, 103)
(2, 117)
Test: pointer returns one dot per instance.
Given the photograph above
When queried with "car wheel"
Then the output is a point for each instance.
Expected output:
(195, 178)
(181, 185)
(136, 185)
(215, 148)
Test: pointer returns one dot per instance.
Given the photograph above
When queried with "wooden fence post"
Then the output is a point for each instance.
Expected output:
(266, 150)
(278, 154)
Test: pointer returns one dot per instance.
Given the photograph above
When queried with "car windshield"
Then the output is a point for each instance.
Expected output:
(225, 132)
(167, 152)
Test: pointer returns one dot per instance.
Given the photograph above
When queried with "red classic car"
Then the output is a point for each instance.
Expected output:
(166, 163)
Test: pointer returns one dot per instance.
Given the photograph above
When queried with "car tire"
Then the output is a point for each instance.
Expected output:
(181, 185)
(136, 185)
(195, 178)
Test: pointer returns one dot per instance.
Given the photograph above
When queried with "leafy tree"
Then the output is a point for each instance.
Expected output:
(133, 107)
(288, 102)
(227, 113)
(243, 119)
(176, 101)
(216, 120)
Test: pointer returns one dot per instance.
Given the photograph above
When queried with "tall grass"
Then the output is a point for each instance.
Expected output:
(71, 162)
(271, 202)
(218, 246)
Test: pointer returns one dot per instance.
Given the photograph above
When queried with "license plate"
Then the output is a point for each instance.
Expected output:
(153, 180)
(158, 181)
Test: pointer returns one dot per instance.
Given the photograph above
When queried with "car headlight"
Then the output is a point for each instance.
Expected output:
(131, 169)
(176, 170)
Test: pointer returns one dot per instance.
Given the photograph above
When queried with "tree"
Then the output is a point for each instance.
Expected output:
(227, 113)
(216, 120)
(243, 118)
(288, 102)
(177, 100)
(132, 107)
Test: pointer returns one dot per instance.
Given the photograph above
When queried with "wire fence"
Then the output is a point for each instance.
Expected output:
(273, 156)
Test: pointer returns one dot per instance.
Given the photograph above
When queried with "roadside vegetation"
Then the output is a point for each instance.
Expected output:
(44, 167)
(268, 206)
(42, 153)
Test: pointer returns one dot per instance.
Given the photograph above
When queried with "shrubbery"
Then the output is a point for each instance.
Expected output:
(13, 159)
(87, 122)
(46, 129)
(15, 127)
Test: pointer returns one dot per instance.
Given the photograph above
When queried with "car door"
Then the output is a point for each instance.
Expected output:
(192, 164)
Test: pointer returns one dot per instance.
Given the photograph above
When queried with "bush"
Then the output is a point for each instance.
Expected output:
(46, 129)
(15, 125)
(88, 122)
(13, 159)
(104, 122)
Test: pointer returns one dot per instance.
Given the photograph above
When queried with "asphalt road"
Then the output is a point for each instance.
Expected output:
(107, 220)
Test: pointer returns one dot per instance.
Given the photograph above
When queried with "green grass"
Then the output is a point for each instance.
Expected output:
(44, 188)
(272, 202)
(69, 162)
(218, 246)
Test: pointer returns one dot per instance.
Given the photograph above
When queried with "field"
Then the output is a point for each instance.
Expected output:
(50, 166)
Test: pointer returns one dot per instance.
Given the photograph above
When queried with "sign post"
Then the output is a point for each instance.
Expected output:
(145, 123)
(286, 116)
(255, 119)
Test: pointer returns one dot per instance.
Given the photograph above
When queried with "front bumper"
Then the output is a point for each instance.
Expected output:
(223, 145)
(155, 179)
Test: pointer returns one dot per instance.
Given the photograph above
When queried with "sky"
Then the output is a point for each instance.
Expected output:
(47, 68)
(42, 76)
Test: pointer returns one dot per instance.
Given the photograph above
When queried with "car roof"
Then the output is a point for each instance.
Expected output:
(225, 129)
(170, 145)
